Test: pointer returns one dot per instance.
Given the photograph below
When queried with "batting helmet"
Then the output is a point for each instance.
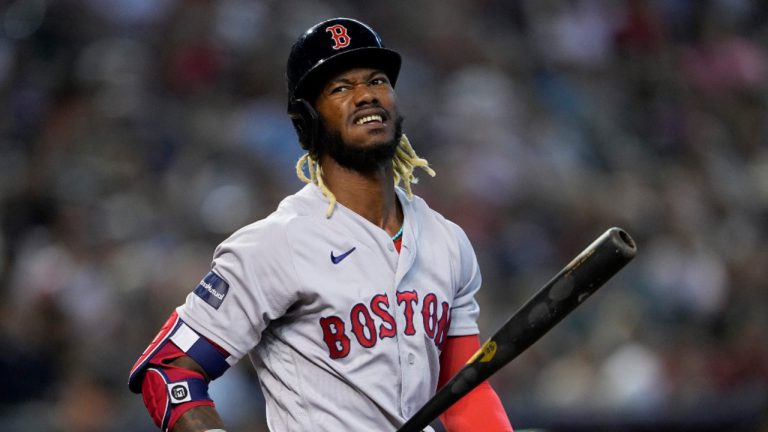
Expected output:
(326, 48)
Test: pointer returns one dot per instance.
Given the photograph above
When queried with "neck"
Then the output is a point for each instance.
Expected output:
(371, 195)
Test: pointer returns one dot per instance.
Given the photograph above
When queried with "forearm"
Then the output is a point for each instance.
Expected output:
(199, 419)
(481, 409)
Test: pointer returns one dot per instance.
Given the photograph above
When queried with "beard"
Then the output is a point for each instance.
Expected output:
(364, 160)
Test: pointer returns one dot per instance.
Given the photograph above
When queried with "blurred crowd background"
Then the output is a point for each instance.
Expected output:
(135, 135)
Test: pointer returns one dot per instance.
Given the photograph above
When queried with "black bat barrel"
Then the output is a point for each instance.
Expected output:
(608, 254)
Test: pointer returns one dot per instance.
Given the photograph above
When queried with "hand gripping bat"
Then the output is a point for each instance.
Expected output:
(587, 272)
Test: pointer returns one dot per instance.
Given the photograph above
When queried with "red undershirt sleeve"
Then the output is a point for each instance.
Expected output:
(480, 409)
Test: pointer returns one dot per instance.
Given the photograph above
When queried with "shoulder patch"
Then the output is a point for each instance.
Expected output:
(212, 289)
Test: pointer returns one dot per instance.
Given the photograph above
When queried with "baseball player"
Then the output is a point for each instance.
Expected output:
(354, 300)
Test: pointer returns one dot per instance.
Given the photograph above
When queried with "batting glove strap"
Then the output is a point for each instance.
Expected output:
(169, 393)
(187, 391)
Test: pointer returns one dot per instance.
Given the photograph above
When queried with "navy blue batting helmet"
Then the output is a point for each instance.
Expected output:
(333, 45)
(327, 48)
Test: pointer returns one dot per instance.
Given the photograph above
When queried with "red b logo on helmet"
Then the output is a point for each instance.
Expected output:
(339, 35)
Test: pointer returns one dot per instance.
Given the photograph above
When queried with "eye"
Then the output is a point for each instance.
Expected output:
(339, 89)
(379, 80)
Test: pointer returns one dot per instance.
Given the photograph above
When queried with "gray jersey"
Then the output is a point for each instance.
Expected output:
(345, 333)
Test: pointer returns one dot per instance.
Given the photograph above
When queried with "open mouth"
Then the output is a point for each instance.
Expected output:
(369, 119)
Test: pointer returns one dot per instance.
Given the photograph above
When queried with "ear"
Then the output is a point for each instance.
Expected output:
(306, 122)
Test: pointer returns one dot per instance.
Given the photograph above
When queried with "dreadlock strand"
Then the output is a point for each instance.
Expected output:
(413, 158)
(316, 177)
(304, 160)
(398, 167)
(313, 166)
(327, 192)
(404, 162)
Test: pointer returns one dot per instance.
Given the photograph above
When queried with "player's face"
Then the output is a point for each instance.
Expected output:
(360, 105)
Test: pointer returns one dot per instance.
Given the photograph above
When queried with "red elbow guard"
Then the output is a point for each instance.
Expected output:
(174, 340)
(168, 390)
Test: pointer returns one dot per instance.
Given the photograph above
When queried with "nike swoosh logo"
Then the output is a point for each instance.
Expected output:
(337, 259)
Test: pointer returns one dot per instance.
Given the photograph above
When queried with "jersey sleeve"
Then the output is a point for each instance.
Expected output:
(251, 283)
(465, 309)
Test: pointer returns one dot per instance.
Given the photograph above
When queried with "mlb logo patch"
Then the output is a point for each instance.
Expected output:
(212, 289)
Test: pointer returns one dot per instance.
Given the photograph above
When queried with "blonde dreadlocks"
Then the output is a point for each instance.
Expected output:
(403, 164)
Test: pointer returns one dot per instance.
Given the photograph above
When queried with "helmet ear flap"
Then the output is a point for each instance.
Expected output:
(306, 122)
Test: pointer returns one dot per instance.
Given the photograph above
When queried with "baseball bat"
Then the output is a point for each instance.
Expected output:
(587, 272)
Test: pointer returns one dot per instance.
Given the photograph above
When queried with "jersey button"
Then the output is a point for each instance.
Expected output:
(411, 359)
(391, 247)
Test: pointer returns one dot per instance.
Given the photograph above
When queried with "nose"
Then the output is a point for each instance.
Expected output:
(364, 95)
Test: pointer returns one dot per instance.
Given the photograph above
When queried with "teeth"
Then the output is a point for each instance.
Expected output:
(368, 119)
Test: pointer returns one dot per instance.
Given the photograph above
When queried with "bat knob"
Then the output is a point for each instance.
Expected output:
(624, 243)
